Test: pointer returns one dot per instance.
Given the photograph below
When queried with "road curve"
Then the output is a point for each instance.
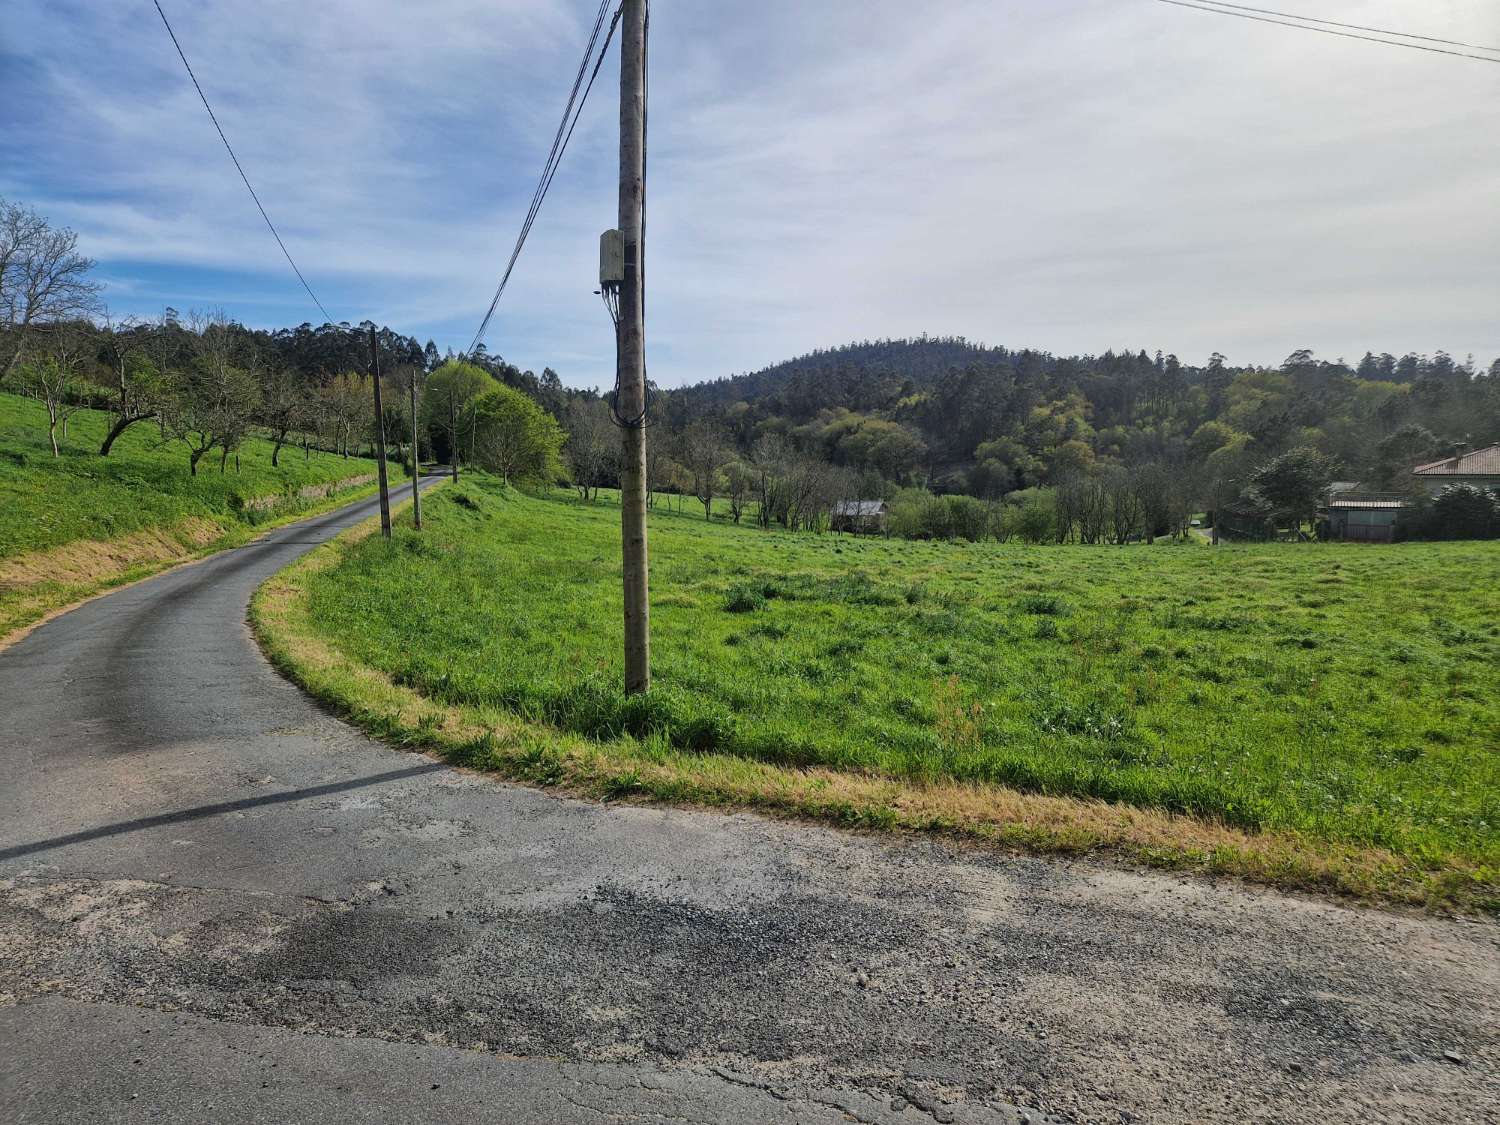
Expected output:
(218, 902)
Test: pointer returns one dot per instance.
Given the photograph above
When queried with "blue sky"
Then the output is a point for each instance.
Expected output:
(1075, 175)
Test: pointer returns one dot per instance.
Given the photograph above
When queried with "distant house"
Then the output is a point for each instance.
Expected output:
(1478, 467)
(867, 516)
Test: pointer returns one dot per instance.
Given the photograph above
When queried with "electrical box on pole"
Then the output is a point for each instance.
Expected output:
(611, 260)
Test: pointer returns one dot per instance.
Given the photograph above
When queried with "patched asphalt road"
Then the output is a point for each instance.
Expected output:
(219, 903)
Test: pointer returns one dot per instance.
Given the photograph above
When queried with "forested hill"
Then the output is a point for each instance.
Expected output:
(922, 361)
(988, 420)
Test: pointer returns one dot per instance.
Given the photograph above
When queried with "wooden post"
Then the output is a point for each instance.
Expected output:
(416, 458)
(385, 491)
(631, 346)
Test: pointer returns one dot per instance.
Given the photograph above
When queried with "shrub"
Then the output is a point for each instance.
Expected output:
(1043, 605)
(744, 598)
(916, 513)
(966, 518)
(1460, 511)
(1032, 522)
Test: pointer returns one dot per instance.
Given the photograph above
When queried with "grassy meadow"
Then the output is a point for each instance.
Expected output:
(1342, 700)
(73, 524)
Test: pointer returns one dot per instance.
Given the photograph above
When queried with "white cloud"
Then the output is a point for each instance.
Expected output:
(1072, 176)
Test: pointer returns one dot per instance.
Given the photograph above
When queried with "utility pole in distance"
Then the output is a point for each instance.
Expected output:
(416, 456)
(630, 405)
(385, 491)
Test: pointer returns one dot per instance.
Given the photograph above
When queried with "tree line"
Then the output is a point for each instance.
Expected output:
(1103, 448)
(1107, 448)
(205, 383)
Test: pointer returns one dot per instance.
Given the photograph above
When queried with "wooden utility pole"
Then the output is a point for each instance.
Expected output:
(631, 345)
(452, 435)
(416, 457)
(385, 491)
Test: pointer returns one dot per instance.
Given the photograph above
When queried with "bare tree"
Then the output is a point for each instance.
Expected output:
(739, 487)
(1069, 506)
(1158, 496)
(703, 452)
(43, 278)
(346, 407)
(53, 378)
(214, 398)
(1126, 510)
(771, 453)
(593, 446)
(283, 405)
(130, 353)
(1093, 508)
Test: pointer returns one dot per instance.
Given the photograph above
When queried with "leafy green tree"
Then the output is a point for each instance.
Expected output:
(448, 406)
(1209, 438)
(516, 438)
(887, 447)
(1399, 452)
(1293, 484)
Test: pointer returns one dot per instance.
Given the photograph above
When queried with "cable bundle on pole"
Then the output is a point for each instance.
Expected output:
(571, 112)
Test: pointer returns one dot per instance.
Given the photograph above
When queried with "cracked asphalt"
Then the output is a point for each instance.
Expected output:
(218, 902)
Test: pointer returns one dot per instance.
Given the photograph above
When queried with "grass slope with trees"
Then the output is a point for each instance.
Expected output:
(1320, 717)
(77, 522)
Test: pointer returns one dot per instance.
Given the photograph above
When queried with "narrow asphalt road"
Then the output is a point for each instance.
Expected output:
(219, 903)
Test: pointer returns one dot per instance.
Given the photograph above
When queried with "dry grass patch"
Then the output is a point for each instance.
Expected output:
(95, 560)
(40, 585)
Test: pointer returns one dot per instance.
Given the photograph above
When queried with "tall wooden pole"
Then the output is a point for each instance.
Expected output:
(385, 491)
(452, 435)
(631, 345)
(416, 457)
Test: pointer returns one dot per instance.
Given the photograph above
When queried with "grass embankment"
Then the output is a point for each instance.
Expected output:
(1304, 715)
(74, 525)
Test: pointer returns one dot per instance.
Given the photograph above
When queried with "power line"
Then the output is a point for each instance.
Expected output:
(1329, 31)
(272, 226)
(1355, 26)
(572, 110)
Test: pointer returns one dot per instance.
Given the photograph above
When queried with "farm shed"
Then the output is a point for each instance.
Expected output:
(1363, 516)
(860, 515)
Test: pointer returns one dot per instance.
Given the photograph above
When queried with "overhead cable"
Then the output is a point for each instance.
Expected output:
(237, 166)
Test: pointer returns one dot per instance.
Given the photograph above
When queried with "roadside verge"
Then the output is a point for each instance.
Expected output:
(38, 586)
(501, 742)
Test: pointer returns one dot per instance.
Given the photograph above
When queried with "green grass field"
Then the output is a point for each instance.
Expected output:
(73, 525)
(143, 483)
(1339, 693)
